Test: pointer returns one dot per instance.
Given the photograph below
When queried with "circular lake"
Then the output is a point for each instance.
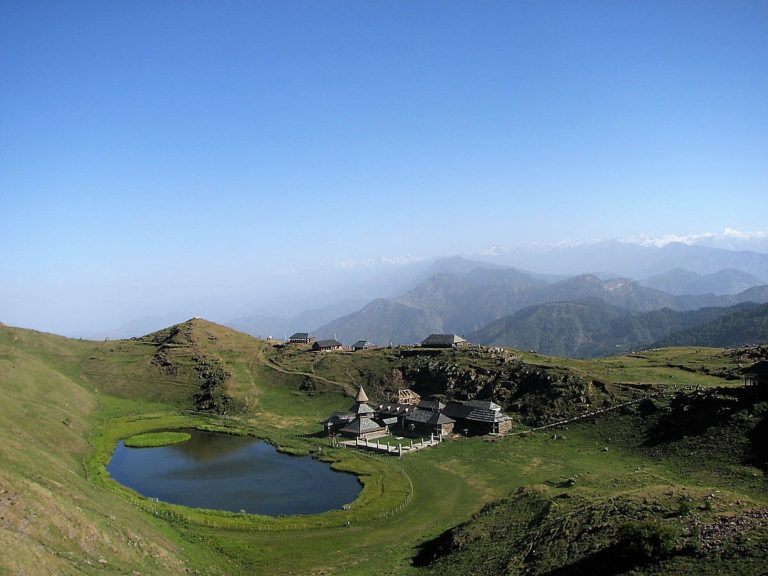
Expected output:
(226, 472)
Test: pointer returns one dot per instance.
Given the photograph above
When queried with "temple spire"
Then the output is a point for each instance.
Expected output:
(361, 395)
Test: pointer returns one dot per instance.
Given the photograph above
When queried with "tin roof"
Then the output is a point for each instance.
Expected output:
(477, 411)
(443, 340)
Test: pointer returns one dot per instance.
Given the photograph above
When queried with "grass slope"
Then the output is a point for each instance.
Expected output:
(595, 328)
(68, 402)
(749, 325)
(662, 511)
(52, 519)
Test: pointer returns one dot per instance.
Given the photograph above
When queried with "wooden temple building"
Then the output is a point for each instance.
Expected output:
(359, 422)
(409, 415)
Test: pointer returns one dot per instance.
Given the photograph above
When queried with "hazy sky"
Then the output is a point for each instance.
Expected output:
(178, 153)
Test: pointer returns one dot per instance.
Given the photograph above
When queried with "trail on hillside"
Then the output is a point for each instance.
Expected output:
(271, 363)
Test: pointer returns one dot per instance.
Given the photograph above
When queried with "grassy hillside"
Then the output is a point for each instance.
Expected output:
(700, 508)
(595, 328)
(67, 402)
(53, 520)
(661, 530)
(748, 325)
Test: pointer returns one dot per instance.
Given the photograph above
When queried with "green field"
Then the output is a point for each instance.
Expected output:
(68, 402)
(675, 367)
(155, 439)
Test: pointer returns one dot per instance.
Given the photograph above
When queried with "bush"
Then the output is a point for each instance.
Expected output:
(685, 507)
(647, 540)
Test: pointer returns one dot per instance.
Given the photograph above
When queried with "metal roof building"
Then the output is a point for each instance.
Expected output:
(301, 338)
(443, 341)
(323, 345)
(362, 345)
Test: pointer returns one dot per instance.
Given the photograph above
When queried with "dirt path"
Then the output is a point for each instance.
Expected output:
(270, 363)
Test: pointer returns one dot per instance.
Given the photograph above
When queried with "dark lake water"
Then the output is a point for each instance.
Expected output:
(234, 473)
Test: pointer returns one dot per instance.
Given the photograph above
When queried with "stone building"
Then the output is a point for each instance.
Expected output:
(478, 417)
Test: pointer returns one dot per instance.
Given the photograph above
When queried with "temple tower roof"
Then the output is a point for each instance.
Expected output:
(361, 395)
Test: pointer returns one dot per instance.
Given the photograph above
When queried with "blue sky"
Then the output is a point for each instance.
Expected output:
(152, 152)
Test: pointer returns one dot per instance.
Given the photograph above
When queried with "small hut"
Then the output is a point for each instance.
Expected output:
(362, 345)
(444, 341)
(301, 338)
(326, 345)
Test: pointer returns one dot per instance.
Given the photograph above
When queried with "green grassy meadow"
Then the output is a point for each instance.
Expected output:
(155, 439)
(67, 403)
(675, 367)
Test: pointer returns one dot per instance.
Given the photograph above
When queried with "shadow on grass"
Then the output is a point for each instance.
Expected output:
(611, 560)
(431, 550)
(696, 413)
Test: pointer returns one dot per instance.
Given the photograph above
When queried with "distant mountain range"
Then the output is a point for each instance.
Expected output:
(747, 325)
(637, 296)
(680, 281)
(596, 328)
(465, 303)
(629, 259)
(319, 299)
(307, 298)
(408, 277)
(263, 326)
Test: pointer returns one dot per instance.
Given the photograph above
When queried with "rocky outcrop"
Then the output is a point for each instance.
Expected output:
(537, 395)
(179, 349)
